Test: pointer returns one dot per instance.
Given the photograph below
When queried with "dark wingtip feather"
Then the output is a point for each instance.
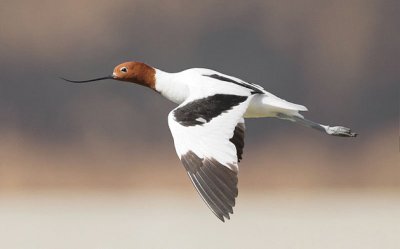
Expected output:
(216, 184)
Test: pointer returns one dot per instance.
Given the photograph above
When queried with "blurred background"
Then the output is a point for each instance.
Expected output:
(93, 166)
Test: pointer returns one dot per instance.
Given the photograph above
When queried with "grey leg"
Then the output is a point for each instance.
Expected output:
(330, 130)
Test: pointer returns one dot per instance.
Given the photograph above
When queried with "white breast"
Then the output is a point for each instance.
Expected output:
(169, 86)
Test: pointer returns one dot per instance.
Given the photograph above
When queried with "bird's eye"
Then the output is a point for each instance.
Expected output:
(124, 69)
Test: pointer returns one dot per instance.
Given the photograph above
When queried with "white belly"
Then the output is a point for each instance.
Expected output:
(270, 105)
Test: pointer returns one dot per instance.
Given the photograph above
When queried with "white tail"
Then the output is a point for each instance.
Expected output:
(268, 105)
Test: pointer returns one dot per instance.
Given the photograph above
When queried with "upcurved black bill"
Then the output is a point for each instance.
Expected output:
(85, 81)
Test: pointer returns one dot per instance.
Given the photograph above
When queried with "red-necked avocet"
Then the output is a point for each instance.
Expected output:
(208, 124)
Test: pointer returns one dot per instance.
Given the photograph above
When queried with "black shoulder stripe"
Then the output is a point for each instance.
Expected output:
(246, 85)
(203, 110)
(223, 78)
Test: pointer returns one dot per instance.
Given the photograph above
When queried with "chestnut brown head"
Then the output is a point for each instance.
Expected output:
(134, 72)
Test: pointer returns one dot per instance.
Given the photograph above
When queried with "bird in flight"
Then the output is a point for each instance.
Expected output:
(208, 125)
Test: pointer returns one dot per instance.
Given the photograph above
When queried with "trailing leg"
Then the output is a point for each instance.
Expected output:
(330, 130)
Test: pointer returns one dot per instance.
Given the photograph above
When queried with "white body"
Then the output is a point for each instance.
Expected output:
(208, 127)
(178, 87)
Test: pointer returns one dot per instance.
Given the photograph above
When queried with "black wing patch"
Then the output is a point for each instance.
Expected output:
(216, 184)
(238, 139)
(243, 84)
(203, 110)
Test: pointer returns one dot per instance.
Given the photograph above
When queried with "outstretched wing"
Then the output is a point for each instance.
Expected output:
(209, 138)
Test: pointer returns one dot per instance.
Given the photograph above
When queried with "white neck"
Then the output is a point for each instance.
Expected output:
(170, 88)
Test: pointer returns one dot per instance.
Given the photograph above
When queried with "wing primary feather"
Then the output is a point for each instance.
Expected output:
(216, 190)
(228, 176)
(226, 188)
(220, 187)
(192, 163)
(219, 204)
(206, 198)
